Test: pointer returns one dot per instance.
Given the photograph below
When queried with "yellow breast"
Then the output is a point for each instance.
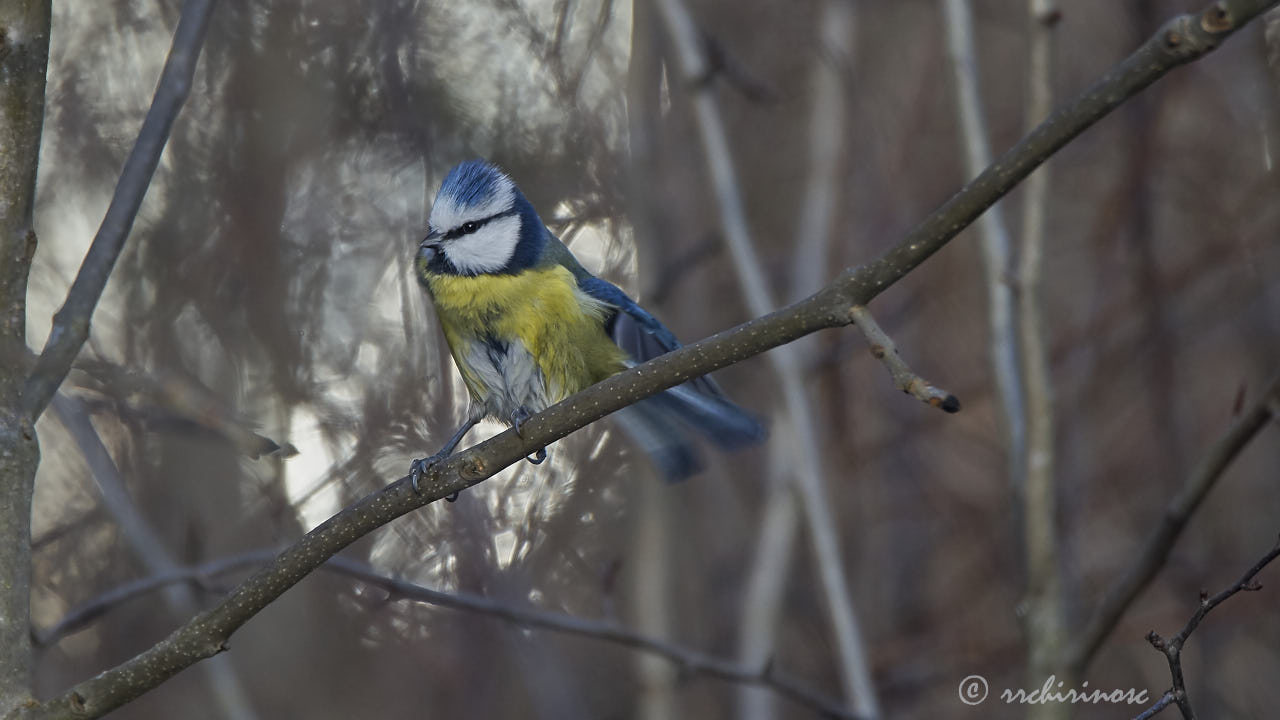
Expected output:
(561, 327)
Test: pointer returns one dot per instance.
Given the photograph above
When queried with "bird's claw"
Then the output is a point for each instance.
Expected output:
(518, 416)
(517, 419)
(419, 467)
(422, 465)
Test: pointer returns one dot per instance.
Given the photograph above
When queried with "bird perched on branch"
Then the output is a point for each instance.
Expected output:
(528, 326)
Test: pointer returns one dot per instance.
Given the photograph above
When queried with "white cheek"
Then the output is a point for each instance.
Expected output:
(487, 249)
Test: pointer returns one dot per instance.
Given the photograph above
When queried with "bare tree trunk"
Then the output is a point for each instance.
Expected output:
(24, 55)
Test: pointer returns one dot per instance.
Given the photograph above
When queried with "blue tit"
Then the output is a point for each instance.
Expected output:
(528, 326)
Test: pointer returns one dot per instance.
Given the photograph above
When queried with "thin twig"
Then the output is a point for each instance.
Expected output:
(1180, 41)
(1160, 542)
(169, 399)
(200, 576)
(1164, 702)
(1172, 647)
(884, 350)
(810, 473)
(71, 323)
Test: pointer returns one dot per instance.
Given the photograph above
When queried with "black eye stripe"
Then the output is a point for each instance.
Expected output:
(471, 226)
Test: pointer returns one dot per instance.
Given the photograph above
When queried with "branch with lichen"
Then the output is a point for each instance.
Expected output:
(1181, 40)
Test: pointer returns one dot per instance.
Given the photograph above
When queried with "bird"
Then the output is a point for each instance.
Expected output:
(527, 326)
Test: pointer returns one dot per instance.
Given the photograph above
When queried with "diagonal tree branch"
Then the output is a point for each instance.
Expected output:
(1160, 542)
(1181, 40)
(71, 323)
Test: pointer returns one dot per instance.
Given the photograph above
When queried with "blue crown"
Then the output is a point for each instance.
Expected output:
(472, 183)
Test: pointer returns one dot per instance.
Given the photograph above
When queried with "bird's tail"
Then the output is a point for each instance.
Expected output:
(660, 425)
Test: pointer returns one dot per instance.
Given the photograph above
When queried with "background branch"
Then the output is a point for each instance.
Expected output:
(71, 323)
(1181, 40)
(1045, 617)
(687, 661)
(1155, 551)
(809, 474)
(1172, 648)
(88, 612)
(773, 556)
(1006, 370)
(227, 692)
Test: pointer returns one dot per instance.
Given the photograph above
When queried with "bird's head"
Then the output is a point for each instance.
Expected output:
(481, 224)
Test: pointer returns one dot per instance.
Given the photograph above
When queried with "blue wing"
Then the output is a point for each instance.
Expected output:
(633, 328)
(698, 403)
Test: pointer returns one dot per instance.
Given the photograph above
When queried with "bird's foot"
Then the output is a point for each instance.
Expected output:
(517, 419)
(518, 416)
(419, 467)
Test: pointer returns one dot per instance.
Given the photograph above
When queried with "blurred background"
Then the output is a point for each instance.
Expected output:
(263, 355)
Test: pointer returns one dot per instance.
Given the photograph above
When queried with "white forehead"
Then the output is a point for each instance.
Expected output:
(452, 209)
